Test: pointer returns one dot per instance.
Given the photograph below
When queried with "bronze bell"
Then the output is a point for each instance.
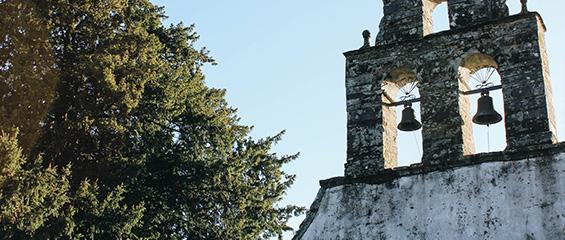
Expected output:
(409, 122)
(486, 115)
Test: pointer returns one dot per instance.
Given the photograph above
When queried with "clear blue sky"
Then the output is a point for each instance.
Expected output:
(282, 65)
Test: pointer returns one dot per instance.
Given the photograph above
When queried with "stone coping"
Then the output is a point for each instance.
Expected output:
(388, 175)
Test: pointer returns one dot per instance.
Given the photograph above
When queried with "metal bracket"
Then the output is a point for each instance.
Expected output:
(396, 104)
(481, 90)
(414, 100)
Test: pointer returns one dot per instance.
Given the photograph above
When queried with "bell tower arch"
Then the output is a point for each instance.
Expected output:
(481, 34)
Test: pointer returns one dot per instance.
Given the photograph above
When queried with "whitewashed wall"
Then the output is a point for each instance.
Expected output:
(497, 200)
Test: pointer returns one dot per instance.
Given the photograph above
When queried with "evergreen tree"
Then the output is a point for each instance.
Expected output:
(218, 183)
(27, 74)
(155, 153)
(35, 196)
(36, 202)
(28, 198)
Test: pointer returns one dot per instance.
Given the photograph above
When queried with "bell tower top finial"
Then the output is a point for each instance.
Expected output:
(524, 6)
(366, 41)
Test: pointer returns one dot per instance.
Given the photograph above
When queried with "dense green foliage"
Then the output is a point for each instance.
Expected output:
(37, 202)
(27, 75)
(127, 141)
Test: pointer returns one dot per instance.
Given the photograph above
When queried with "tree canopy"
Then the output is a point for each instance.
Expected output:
(109, 131)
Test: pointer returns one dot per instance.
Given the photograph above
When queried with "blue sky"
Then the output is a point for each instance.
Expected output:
(282, 65)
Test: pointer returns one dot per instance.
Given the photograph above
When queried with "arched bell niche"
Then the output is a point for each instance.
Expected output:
(480, 81)
(435, 16)
(401, 96)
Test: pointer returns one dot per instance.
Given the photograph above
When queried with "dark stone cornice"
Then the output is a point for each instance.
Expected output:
(508, 19)
(389, 175)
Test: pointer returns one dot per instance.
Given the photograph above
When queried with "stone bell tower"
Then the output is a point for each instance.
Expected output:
(481, 35)
(453, 193)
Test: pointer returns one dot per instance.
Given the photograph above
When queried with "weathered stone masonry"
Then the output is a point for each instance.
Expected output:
(453, 193)
(439, 62)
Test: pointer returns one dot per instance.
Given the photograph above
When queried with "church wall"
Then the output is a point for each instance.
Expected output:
(501, 198)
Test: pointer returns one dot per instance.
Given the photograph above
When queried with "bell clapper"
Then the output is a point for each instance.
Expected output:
(488, 137)
(417, 143)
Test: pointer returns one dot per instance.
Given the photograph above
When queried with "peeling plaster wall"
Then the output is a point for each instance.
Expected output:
(522, 199)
